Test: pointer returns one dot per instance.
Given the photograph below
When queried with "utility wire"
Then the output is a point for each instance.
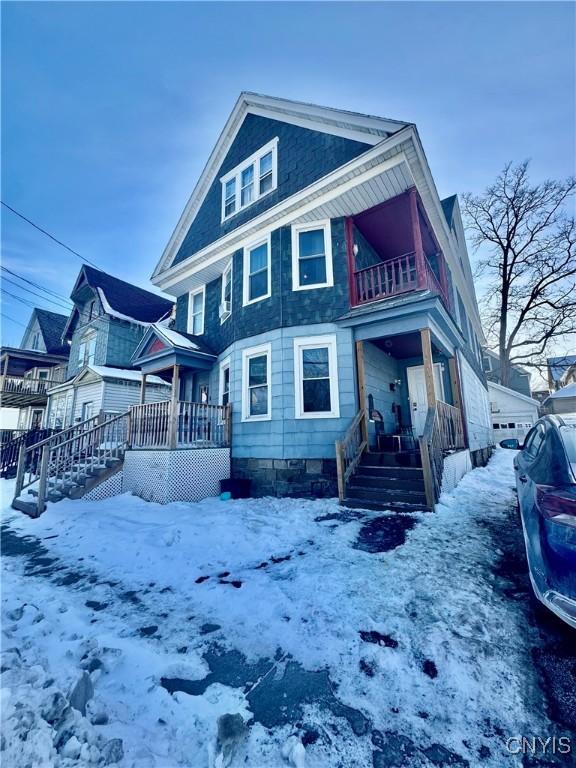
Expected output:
(55, 239)
(36, 285)
(13, 320)
(23, 301)
(56, 302)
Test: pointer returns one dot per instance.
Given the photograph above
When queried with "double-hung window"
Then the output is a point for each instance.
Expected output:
(316, 377)
(256, 381)
(196, 311)
(87, 350)
(225, 382)
(257, 281)
(312, 256)
(226, 298)
(250, 180)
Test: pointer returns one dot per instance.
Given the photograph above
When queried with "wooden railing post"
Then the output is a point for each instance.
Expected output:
(361, 372)
(427, 472)
(173, 417)
(340, 469)
(43, 479)
(21, 469)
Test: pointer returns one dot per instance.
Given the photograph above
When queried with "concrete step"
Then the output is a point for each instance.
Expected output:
(29, 508)
(391, 482)
(379, 506)
(385, 495)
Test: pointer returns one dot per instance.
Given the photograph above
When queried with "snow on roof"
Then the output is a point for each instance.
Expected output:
(126, 374)
(175, 338)
(568, 391)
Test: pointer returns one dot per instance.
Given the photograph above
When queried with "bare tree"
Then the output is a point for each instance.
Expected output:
(526, 242)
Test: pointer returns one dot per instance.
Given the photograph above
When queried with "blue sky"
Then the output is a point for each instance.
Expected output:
(109, 110)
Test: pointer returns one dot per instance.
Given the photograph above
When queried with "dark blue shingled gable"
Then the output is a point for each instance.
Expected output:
(52, 327)
(304, 156)
(128, 299)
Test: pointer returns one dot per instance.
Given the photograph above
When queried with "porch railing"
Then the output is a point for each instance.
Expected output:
(349, 451)
(180, 425)
(443, 433)
(10, 450)
(69, 454)
(395, 276)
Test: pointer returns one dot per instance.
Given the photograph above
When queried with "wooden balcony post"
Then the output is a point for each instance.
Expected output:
(4, 372)
(351, 261)
(143, 390)
(361, 372)
(421, 276)
(428, 366)
(21, 468)
(173, 420)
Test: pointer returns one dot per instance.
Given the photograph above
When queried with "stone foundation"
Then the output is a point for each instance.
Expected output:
(481, 456)
(304, 478)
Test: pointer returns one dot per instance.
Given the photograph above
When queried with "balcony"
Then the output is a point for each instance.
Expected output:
(392, 250)
(22, 391)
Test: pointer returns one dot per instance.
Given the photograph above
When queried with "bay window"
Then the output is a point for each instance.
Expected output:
(256, 380)
(196, 312)
(257, 279)
(316, 377)
(312, 256)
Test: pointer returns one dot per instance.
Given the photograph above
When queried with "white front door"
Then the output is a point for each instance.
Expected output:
(417, 394)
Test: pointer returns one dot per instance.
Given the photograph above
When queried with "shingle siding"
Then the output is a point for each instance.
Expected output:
(285, 307)
(304, 156)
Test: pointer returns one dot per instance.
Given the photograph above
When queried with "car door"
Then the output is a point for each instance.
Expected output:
(526, 485)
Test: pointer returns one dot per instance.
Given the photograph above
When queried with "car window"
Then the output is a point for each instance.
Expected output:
(534, 442)
(568, 435)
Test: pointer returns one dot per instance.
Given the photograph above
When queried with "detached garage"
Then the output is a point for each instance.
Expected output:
(513, 413)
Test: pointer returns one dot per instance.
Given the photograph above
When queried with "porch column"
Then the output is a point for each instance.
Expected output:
(4, 372)
(421, 276)
(428, 366)
(362, 388)
(173, 423)
(143, 390)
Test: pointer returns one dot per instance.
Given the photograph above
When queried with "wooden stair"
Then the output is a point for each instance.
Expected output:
(380, 483)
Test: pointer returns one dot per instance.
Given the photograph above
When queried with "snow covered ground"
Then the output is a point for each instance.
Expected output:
(279, 610)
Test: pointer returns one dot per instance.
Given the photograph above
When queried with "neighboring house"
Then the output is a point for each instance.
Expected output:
(561, 401)
(513, 413)
(570, 376)
(109, 318)
(29, 370)
(317, 274)
(519, 379)
(558, 369)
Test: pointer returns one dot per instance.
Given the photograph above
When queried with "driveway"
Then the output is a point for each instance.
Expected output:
(341, 638)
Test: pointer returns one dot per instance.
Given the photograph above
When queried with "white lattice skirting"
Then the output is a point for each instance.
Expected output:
(107, 488)
(165, 476)
(455, 467)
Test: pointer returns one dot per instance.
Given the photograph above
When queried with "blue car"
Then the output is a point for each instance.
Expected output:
(546, 483)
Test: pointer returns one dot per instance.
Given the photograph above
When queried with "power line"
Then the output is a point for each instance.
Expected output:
(55, 239)
(36, 285)
(13, 320)
(22, 301)
(56, 302)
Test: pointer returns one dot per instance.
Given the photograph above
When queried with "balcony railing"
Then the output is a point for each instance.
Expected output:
(395, 276)
(179, 425)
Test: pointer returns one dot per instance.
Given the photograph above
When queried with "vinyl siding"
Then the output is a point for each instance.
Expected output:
(476, 406)
(87, 393)
(119, 396)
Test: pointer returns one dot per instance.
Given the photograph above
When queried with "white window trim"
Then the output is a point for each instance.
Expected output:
(247, 354)
(226, 363)
(190, 323)
(236, 173)
(229, 268)
(245, 265)
(313, 342)
(296, 230)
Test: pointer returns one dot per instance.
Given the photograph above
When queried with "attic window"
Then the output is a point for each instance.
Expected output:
(250, 180)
